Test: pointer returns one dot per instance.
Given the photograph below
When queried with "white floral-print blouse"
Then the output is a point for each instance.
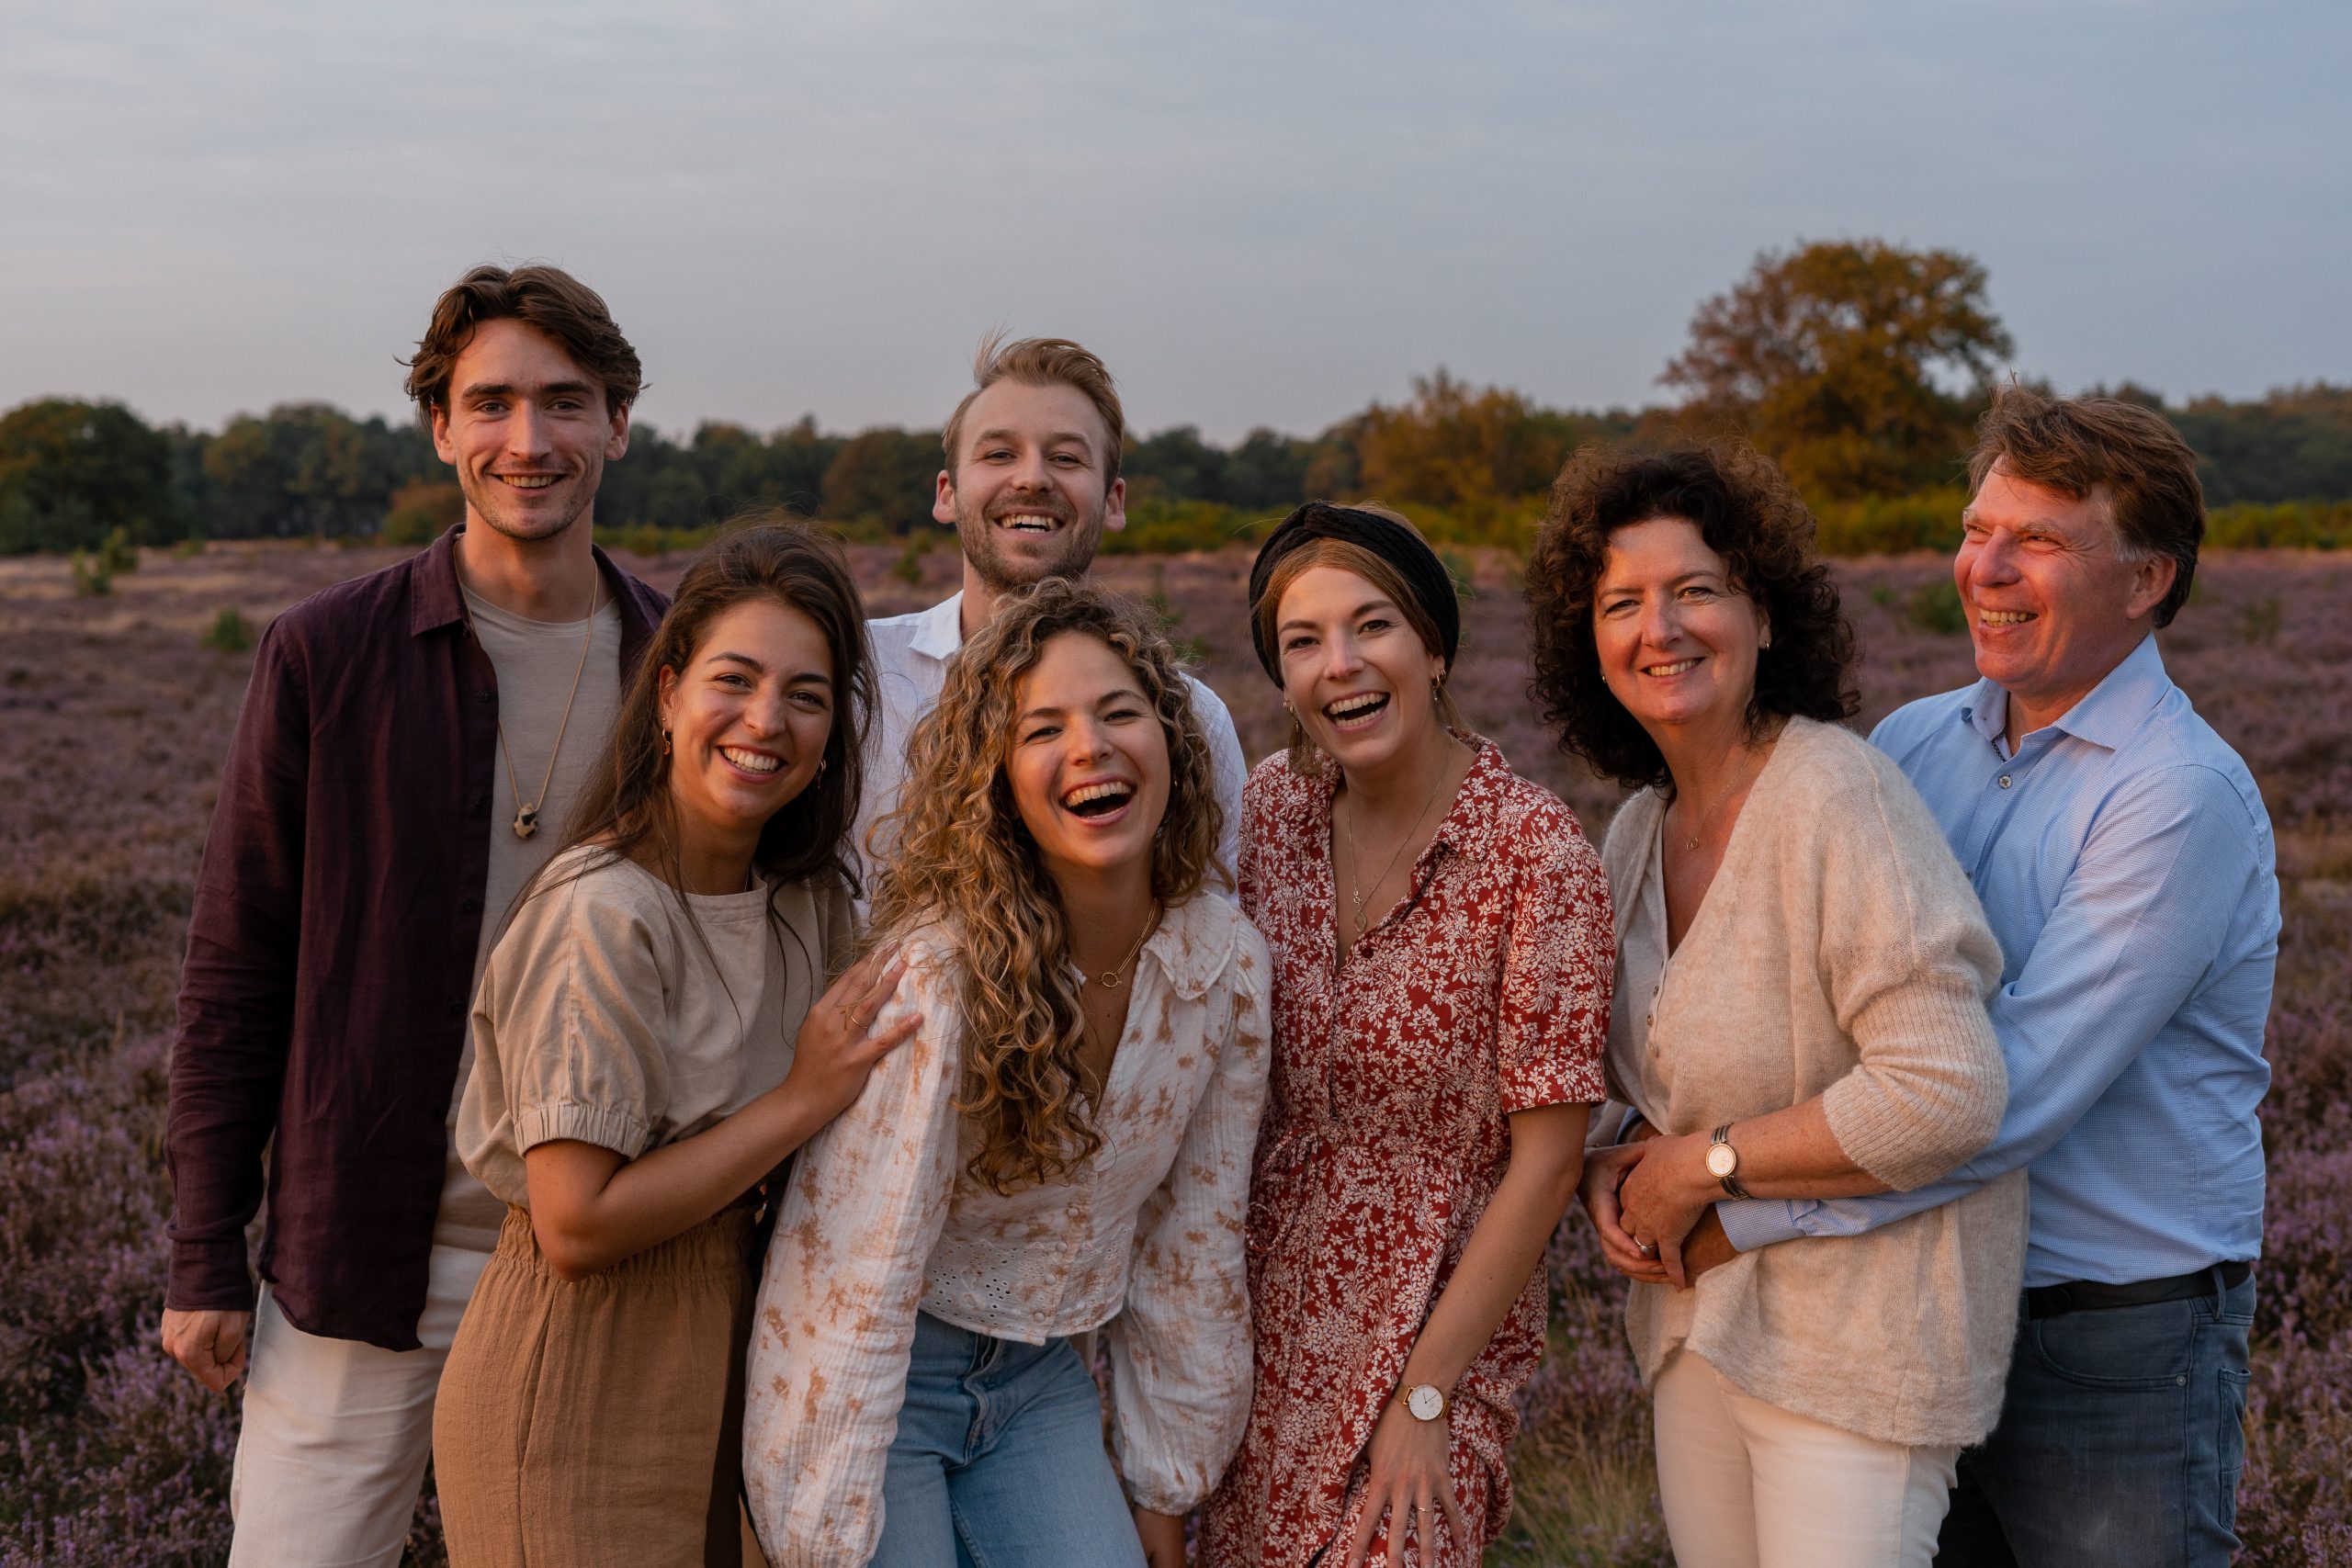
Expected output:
(882, 1219)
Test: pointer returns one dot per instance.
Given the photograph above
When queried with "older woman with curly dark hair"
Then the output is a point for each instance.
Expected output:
(1801, 983)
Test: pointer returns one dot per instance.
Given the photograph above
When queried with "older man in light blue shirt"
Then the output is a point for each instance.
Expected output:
(2124, 860)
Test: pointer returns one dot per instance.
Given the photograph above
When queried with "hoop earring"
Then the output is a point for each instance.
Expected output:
(820, 770)
(666, 743)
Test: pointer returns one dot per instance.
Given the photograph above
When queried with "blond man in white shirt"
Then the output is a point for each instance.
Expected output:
(1031, 486)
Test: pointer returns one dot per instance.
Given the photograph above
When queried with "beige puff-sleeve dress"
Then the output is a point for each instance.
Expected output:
(591, 1421)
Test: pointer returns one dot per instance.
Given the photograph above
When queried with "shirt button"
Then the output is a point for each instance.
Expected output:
(457, 1009)
(485, 695)
(2005, 781)
(468, 903)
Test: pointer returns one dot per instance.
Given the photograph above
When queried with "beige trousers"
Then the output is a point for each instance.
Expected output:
(332, 1453)
(1749, 1484)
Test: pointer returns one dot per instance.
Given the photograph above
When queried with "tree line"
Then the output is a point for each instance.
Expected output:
(1858, 366)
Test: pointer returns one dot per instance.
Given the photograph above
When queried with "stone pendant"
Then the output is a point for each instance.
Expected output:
(526, 821)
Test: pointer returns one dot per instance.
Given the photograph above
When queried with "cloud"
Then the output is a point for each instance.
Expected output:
(1258, 215)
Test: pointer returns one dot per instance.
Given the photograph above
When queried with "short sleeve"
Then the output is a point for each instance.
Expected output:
(573, 1015)
(1560, 962)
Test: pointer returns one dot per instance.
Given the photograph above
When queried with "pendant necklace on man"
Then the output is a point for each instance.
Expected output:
(527, 816)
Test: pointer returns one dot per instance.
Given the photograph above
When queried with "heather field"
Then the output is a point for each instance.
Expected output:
(114, 714)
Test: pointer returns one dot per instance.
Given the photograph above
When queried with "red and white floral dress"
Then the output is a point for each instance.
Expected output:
(1483, 992)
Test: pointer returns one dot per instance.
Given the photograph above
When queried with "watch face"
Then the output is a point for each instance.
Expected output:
(1425, 1403)
(1720, 1160)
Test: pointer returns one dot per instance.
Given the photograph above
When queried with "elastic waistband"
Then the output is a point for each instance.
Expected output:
(721, 1244)
(2090, 1295)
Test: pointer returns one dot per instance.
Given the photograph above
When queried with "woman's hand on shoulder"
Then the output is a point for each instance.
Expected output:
(838, 1047)
(1410, 1474)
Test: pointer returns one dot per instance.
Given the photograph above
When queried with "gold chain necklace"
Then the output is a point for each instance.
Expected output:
(527, 817)
(1110, 978)
(1355, 860)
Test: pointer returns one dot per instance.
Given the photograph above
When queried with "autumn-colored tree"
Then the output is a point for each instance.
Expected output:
(423, 510)
(1829, 358)
(1460, 447)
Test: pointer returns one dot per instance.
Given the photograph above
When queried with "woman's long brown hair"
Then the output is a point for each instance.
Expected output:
(627, 811)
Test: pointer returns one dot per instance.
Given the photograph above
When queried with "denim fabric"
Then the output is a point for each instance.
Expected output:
(2120, 1446)
(998, 1461)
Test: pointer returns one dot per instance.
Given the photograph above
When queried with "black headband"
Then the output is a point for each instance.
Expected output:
(1392, 542)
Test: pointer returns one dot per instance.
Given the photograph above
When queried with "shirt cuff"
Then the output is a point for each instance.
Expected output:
(208, 1275)
(1753, 1224)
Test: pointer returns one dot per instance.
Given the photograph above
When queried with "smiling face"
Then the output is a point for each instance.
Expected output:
(527, 431)
(1354, 671)
(2052, 605)
(748, 718)
(1676, 638)
(1088, 761)
(1029, 493)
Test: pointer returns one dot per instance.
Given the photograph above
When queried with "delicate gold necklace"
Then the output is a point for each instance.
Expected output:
(1110, 978)
(1704, 826)
(527, 817)
(1355, 860)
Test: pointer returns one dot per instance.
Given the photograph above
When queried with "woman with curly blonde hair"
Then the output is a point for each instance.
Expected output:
(1065, 1145)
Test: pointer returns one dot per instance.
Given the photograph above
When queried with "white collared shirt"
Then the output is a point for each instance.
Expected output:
(910, 655)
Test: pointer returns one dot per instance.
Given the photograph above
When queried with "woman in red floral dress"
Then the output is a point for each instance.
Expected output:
(1441, 977)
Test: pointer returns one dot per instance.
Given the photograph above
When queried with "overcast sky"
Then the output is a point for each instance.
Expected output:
(1259, 213)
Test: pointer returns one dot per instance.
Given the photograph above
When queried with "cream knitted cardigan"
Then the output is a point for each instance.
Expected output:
(1839, 951)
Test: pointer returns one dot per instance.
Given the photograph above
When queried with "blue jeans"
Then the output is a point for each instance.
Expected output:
(998, 1461)
(2119, 1443)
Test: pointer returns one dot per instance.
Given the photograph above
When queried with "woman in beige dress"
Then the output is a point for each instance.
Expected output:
(650, 1043)
(1802, 970)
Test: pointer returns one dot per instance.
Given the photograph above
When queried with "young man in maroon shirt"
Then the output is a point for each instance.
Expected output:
(405, 758)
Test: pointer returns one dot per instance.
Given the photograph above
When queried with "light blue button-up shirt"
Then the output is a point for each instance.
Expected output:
(2124, 860)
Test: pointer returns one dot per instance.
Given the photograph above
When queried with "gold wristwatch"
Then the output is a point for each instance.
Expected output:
(1423, 1402)
(1723, 1161)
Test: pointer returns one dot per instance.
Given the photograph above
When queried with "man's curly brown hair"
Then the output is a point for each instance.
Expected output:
(1748, 514)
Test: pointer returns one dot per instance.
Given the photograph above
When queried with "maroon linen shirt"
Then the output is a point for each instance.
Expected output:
(337, 909)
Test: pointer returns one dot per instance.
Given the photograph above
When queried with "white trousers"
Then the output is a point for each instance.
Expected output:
(331, 1454)
(1748, 1484)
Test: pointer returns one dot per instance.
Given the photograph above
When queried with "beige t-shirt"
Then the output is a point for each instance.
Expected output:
(535, 661)
(608, 1016)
